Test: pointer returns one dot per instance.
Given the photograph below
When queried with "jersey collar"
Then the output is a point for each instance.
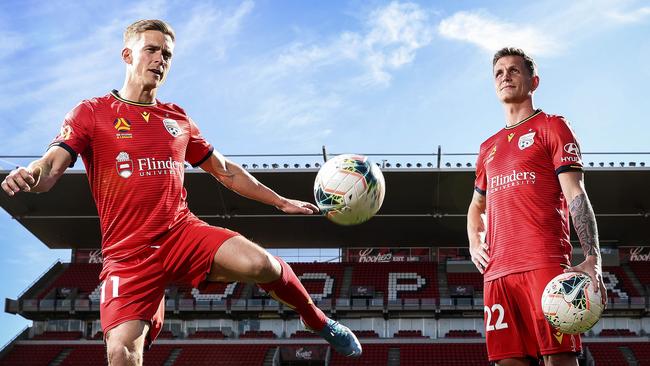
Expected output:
(537, 111)
(117, 96)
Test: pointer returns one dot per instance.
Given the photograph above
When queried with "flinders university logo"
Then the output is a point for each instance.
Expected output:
(124, 165)
(172, 127)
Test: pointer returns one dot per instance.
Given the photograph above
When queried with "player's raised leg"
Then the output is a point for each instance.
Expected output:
(125, 343)
(238, 259)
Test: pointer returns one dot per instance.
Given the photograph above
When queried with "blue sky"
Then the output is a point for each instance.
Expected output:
(290, 76)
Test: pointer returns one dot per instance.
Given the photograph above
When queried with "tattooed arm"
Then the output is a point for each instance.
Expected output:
(584, 222)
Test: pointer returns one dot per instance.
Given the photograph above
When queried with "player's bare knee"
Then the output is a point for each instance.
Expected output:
(263, 268)
(119, 355)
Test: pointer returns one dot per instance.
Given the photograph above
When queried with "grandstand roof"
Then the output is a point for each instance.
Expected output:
(423, 206)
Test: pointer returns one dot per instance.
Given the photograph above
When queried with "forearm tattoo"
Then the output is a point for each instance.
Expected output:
(584, 222)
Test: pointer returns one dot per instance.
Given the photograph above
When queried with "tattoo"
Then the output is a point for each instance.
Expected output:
(584, 221)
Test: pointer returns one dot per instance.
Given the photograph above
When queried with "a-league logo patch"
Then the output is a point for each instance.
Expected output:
(172, 127)
(526, 140)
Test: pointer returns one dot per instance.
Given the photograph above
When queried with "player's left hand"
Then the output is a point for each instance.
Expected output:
(591, 266)
(297, 207)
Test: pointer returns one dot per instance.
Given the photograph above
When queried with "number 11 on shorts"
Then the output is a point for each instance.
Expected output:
(499, 324)
(115, 284)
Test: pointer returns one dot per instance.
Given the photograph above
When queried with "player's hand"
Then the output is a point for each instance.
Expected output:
(592, 268)
(480, 256)
(297, 207)
(20, 179)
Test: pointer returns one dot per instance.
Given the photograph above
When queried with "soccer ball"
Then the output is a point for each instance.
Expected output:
(570, 303)
(349, 189)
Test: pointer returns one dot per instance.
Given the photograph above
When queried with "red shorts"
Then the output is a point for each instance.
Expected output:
(135, 289)
(515, 325)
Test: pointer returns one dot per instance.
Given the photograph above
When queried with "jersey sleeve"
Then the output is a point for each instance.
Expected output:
(480, 183)
(76, 131)
(198, 149)
(563, 146)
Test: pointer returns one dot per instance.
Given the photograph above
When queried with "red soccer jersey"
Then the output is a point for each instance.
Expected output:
(135, 156)
(527, 214)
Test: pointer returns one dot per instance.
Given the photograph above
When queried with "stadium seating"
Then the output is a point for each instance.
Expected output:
(624, 285)
(314, 283)
(366, 334)
(473, 279)
(641, 352)
(86, 355)
(641, 271)
(31, 355)
(58, 336)
(466, 333)
(409, 334)
(443, 354)
(223, 355)
(258, 334)
(304, 334)
(606, 353)
(373, 355)
(207, 334)
(403, 280)
(83, 276)
(617, 333)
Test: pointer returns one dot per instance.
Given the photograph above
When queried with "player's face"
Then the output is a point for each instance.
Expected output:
(149, 58)
(512, 80)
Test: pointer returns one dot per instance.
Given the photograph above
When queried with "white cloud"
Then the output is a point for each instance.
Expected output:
(492, 34)
(392, 36)
(212, 29)
(630, 16)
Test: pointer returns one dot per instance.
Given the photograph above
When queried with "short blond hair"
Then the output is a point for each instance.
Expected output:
(144, 25)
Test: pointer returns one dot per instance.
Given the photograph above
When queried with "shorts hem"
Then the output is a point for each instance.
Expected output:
(115, 323)
(213, 253)
(551, 352)
(503, 356)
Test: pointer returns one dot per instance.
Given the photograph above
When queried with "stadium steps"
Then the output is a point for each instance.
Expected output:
(393, 357)
(443, 288)
(633, 278)
(61, 356)
(629, 356)
(247, 291)
(270, 356)
(346, 282)
(173, 355)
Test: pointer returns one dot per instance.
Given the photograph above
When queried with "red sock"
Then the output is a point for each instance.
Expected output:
(288, 290)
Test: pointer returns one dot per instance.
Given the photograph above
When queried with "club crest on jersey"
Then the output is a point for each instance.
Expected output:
(124, 165)
(527, 140)
(172, 127)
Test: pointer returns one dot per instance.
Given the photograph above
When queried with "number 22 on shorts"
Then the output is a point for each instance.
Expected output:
(115, 285)
(499, 324)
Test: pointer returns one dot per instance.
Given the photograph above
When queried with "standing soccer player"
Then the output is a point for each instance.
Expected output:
(528, 179)
(134, 148)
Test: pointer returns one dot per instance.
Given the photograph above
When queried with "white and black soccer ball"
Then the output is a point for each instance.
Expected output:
(349, 189)
(570, 303)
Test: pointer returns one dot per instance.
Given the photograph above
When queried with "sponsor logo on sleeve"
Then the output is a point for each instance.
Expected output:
(574, 153)
(527, 140)
(172, 127)
(65, 133)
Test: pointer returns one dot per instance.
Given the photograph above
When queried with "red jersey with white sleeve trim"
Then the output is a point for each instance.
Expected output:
(135, 156)
(527, 214)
